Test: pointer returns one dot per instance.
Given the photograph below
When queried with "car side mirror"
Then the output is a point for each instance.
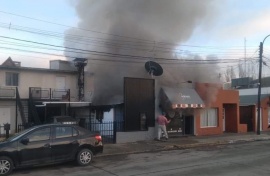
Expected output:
(25, 141)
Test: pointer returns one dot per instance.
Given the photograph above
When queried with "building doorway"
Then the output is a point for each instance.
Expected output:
(188, 125)
(246, 117)
(182, 122)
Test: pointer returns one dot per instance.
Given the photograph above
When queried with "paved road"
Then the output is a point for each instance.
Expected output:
(238, 159)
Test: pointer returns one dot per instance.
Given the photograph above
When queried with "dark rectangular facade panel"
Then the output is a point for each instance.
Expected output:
(139, 98)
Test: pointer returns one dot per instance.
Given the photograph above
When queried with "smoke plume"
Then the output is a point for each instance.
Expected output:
(148, 29)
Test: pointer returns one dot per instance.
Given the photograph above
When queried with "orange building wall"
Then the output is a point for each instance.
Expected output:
(264, 114)
(207, 131)
(264, 111)
(215, 97)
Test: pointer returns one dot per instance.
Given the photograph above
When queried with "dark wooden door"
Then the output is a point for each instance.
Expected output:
(139, 98)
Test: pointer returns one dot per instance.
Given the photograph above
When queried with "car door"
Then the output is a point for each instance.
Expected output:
(35, 147)
(65, 143)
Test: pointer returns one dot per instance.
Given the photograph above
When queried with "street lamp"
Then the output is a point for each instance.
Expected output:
(259, 88)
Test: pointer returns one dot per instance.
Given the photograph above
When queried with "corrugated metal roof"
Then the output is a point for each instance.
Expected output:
(246, 100)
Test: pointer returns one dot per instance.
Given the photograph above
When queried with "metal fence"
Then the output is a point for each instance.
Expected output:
(48, 93)
(22, 127)
(7, 92)
(107, 129)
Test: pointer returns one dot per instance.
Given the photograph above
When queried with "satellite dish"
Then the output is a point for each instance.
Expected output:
(153, 68)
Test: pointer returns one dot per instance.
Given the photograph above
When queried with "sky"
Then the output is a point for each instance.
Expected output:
(226, 29)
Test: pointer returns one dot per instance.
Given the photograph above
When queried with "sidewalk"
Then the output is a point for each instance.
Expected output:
(183, 142)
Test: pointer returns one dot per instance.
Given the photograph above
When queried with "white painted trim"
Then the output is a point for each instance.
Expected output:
(224, 119)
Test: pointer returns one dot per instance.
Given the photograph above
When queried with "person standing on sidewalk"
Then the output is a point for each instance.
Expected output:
(162, 122)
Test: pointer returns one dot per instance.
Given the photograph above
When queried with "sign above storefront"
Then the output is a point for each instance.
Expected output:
(184, 97)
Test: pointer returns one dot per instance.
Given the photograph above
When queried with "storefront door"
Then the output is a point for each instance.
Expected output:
(188, 125)
(182, 123)
(176, 125)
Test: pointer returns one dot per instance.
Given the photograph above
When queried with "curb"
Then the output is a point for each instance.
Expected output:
(188, 146)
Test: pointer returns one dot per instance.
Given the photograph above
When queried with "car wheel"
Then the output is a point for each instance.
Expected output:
(6, 165)
(84, 157)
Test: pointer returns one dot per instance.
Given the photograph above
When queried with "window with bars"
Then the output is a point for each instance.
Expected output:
(12, 79)
(209, 118)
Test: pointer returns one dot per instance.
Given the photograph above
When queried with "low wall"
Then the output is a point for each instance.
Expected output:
(123, 137)
(242, 128)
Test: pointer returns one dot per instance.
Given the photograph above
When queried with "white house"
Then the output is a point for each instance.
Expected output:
(53, 90)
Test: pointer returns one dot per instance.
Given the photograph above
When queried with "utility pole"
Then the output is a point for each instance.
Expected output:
(245, 59)
(259, 87)
(259, 91)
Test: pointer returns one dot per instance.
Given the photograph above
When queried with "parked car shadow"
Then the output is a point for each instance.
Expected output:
(28, 170)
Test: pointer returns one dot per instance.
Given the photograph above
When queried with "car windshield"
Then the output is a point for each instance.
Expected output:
(17, 135)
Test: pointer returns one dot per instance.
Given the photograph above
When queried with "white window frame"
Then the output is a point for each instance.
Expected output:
(268, 116)
(209, 118)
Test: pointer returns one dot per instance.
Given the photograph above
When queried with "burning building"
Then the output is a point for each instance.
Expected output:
(124, 36)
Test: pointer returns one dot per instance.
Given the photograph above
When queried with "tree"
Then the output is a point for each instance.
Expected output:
(242, 71)
(229, 74)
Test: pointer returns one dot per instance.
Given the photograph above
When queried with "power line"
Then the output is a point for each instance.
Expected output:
(24, 55)
(120, 60)
(110, 43)
(183, 61)
(98, 52)
(63, 25)
(80, 52)
(6, 25)
(161, 43)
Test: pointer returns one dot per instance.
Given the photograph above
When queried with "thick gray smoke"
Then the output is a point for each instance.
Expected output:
(171, 21)
(152, 29)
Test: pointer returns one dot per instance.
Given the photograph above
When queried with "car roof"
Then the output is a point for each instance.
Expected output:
(62, 117)
(60, 124)
(53, 124)
(50, 125)
(66, 119)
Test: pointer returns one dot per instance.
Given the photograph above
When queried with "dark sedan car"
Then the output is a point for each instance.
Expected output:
(49, 144)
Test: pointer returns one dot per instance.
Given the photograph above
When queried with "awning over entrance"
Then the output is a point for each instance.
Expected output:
(173, 98)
